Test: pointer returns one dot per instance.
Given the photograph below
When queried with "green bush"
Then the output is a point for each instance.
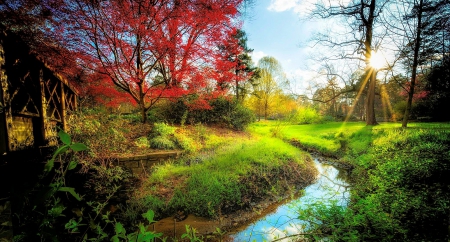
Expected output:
(307, 115)
(142, 142)
(162, 136)
(162, 142)
(184, 142)
(400, 188)
(241, 117)
(161, 129)
(223, 111)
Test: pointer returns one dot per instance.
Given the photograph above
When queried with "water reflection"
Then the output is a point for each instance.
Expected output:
(330, 185)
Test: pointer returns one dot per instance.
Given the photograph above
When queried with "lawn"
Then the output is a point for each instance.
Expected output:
(334, 138)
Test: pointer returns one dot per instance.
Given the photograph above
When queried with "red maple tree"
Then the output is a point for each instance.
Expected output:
(151, 49)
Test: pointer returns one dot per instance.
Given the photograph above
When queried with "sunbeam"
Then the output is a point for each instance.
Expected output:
(352, 108)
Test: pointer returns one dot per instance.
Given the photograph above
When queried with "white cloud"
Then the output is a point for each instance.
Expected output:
(282, 5)
(301, 7)
(256, 55)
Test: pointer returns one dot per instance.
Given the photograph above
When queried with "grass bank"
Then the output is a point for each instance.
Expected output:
(400, 190)
(228, 178)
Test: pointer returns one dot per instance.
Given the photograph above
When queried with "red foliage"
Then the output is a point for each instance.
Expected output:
(102, 90)
(154, 49)
(419, 89)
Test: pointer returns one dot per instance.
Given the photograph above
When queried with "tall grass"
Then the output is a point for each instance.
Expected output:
(214, 184)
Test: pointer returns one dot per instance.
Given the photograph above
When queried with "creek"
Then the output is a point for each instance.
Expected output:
(281, 222)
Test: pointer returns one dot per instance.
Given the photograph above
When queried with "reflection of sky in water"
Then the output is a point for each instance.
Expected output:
(283, 221)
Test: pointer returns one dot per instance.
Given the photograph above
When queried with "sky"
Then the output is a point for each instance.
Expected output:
(281, 29)
(274, 28)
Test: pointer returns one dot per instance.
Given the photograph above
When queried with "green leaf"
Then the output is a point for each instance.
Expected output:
(72, 224)
(49, 166)
(70, 190)
(60, 150)
(72, 165)
(65, 138)
(78, 147)
(115, 238)
(132, 236)
(149, 215)
(57, 210)
(119, 229)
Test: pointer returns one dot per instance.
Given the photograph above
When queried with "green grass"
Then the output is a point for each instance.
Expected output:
(334, 138)
(227, 177)
(400, 187)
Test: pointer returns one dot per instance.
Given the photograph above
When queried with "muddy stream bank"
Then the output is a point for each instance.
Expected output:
(268, 219)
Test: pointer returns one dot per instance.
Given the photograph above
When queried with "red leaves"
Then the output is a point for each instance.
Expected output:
(156, 49)
(419, 89)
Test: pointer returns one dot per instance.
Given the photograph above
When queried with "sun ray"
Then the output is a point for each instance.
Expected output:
(352, 108)
(384, 101)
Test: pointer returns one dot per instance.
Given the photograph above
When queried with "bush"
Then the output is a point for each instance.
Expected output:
(400, 190)
(142, 142)
(307, 115)
(223, 111)
(161, 129)
(161, 142)
(184, 142)
(241, 117)
(162, 136)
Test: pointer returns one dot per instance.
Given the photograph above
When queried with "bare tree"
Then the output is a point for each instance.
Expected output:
(357, 43)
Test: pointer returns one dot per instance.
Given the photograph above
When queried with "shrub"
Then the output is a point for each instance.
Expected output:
(307, 115)
(223, 111)
(184, 142)
(241, 117)
(161, 142)
(142, 142)
(161, 129)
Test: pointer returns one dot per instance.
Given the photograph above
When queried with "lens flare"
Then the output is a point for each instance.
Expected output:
(377, 60)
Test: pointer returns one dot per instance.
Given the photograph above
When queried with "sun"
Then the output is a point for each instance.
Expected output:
(377, 60)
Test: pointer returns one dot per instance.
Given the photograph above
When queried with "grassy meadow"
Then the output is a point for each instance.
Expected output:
(400, 190)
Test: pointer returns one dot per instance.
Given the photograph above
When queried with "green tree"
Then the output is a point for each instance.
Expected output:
(271, 77)
(245, 68)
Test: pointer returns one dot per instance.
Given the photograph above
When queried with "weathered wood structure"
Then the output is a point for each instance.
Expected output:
(34, 99)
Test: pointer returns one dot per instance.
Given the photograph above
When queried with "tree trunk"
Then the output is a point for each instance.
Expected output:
(370, 99)
(414, 67)
(144, 115)
(237, 89)
(266, 106)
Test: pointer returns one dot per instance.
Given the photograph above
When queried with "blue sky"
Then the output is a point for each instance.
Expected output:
(274, 29)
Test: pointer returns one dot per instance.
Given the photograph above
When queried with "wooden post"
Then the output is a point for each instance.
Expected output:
(4, 108)
(43, 111)
(63, 107)
(74, 99)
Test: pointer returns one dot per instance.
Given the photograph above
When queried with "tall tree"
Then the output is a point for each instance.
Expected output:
(271, 77)
(149, 49)
(416, 27)
(418, 13)
(236, 53)
(360, 16)
(246, 72)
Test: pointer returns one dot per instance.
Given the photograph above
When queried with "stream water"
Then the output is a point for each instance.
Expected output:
(330, 185)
